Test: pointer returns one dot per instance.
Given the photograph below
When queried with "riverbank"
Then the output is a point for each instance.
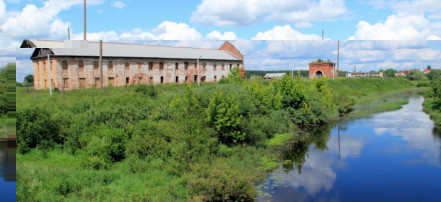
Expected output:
(174, 142)
(365, 156)
(432, 103)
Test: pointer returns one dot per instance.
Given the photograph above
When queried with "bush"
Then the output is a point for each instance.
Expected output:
(148, 90)
(423, 84)
(415, 75)
(434, 74)
(36, 128)
(224, 116)
(219, 181)
(103, 146)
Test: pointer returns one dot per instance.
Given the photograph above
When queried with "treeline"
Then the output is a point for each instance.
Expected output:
(172, 142)
(4, 89)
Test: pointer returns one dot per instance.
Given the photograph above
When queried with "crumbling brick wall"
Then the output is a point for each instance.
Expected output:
(326, 68)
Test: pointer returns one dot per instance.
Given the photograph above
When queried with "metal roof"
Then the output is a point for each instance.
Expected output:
(131, 50)
(274, 75)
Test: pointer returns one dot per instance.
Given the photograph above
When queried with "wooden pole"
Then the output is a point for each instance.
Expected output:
(49, 70)
(85, 20)
(338, 54)
(333, 72)
(101, 63)
(199, 77)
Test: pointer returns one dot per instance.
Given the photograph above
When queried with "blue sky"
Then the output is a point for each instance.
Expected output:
(204, 20)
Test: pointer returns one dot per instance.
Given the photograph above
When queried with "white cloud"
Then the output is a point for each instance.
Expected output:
(118, 4)
(2, 11)
(34, 22)
(216, 35)
(416, 6)
(284, 33)
(404, 27)
(248, 12)
(167, 30)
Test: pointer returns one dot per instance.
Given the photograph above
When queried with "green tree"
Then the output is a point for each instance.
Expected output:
(434, 74)
(429, 67)
(28, 80)
(436, 87)
(224, 115)
(192, 140)
(415, 75)
(293, 92)
(389, 73)
(233, 77)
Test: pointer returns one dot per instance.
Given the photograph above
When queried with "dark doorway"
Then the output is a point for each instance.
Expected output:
(318, 74)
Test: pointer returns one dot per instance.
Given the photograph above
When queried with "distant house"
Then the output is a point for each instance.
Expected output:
(427, 71)
(403, 73)
(274, 76)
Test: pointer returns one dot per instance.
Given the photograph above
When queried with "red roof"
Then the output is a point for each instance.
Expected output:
(427, 71)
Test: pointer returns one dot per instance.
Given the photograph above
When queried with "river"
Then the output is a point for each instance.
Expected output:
(392, 156)
(7, 170)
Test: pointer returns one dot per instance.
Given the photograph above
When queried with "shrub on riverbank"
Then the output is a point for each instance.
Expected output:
(202, 138)
(432, 103)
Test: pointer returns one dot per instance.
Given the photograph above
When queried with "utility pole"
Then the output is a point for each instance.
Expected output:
(338, 54)
(333, 71)
(323, 32)
(199, 79)
(85, 20)
(101, 63)
(49, 69)
(68, 33)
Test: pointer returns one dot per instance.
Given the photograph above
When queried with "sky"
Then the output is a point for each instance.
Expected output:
(211, 21)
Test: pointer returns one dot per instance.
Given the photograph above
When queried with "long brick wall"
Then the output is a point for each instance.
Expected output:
(68, 72)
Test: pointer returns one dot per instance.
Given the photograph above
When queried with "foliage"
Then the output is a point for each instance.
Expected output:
(28, 80)
(389, 73)
(293, 92)
(434, 74)
(233, 77)
(36, 128)
(178, 143)
(415, 75)
(436, 88)
(148, 90)
(432, 102)
(102, 146)
(219, 181)
(224, 116)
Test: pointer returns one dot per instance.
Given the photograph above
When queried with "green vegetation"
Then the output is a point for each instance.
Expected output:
(389, 73)
(177, 142)
(432, 103)
(415, 75)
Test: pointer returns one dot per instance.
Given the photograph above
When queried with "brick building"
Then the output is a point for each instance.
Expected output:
(322, 69)
(76, 64)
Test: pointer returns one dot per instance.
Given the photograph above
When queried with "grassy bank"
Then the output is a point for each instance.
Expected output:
(432, 102)
(176, 142)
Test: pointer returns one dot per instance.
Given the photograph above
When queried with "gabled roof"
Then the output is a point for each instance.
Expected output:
(129, 50)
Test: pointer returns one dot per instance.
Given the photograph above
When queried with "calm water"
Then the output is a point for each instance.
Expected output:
(392, 156)
(7, 171)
